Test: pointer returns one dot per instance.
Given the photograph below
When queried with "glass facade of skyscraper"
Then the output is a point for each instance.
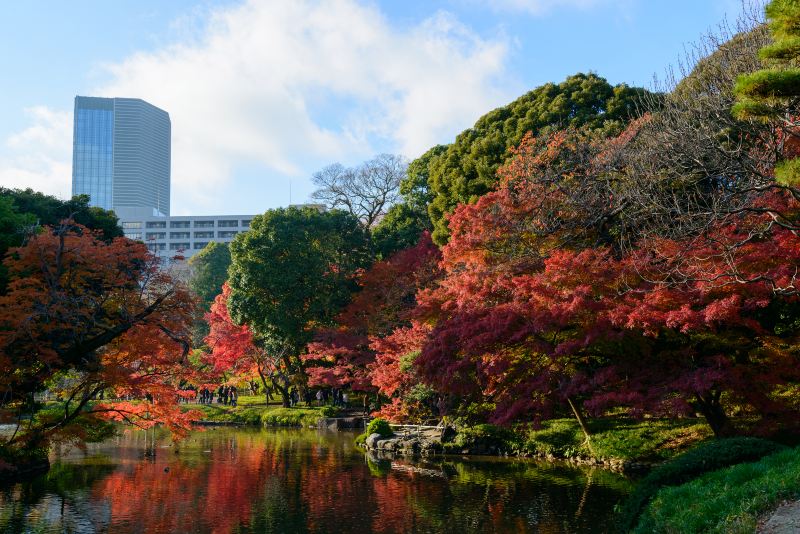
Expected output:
(92, 154)
(121, 154)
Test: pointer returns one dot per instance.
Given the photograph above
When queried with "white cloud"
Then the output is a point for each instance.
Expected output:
(41, 155)
(539, 7)
(288, 86)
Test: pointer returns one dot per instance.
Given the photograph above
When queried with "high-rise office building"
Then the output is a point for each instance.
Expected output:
(121, 155)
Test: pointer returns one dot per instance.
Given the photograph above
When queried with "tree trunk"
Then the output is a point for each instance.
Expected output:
(709, 405)
(264, 383)
(283, 390)
(582, 423)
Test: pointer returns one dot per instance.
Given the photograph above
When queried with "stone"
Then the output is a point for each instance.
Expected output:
(785, 520)
(372, 440)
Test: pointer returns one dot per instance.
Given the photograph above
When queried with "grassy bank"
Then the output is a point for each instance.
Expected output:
(621, 438)
(252, 413)
(648, 440)
(730, 500)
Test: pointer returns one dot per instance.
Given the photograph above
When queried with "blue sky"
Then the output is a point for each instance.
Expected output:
(264, 93)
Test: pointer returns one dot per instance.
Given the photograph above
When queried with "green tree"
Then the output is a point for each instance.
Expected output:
(293, 271)
(771, 93)
(13, 226)
(49, 210)
(210, 270)
(21, 210)
(467, 168)
(405, 221)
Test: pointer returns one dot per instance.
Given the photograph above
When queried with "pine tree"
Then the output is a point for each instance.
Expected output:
(771, 93)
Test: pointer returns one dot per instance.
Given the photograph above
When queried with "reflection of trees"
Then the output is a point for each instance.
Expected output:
(61, 494)
(227, 481)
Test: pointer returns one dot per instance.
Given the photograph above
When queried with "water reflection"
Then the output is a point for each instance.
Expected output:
(236, 480)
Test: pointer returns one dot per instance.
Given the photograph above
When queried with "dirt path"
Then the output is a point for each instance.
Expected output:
(784, 520)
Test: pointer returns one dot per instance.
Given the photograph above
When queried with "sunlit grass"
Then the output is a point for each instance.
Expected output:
(253, 414)
(618, 437)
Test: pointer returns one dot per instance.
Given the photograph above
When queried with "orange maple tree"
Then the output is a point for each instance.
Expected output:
(100, 324)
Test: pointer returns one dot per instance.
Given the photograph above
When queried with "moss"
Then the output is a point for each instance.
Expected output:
(728, 500)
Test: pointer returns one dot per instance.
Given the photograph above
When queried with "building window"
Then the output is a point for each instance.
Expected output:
(246, 224)
(179, 224)
(162, 246)
(131, 225)
(156, 235)
(204, 235)
(204, 224)
(179, 246)
(200, 244)
(157, 224)
(135, 236)
(226, 234)
(228, 224)
(179, 235)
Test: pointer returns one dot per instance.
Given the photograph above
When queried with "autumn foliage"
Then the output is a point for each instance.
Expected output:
(355, 352)
(540, 304)
(234, 350)
(83, 317)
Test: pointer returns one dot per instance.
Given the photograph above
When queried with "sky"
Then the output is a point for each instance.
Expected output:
(263, 93)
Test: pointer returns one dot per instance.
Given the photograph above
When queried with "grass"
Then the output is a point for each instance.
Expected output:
(730, 500)
(252, 413)
(705, 458)
(622, 438)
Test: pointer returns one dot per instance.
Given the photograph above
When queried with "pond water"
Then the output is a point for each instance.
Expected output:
(227, 480)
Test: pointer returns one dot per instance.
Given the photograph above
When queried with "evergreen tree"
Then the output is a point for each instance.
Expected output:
(772, 93)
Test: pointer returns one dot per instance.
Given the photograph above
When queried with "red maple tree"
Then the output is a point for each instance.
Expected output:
(86, 317)
(234, 348)
(342, 356)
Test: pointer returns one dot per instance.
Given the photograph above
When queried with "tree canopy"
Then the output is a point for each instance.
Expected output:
(22, 211)
(366, 191)
(291, 272)
(772, 92)
(99, 317)
(210, 270)
(467, 168)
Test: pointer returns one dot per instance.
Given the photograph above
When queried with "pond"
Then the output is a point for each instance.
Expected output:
(232, 480)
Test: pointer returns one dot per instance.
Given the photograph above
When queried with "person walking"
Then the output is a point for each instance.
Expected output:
(345, 400)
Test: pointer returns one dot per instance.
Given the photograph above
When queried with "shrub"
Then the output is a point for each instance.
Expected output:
(708, 457)
(485, 434)
(379, 426)
(329, 411)
(290, 417)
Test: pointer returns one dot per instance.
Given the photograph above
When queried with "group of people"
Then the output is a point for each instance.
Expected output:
(339, 396)
(225, 395)
(229, 395)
